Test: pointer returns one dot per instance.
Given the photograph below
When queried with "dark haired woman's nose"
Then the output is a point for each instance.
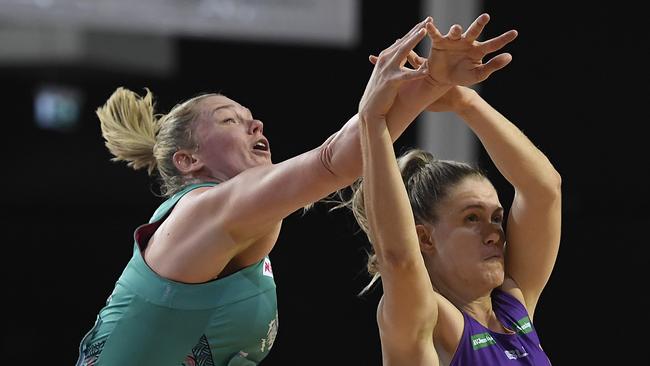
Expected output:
(256, 126)
(495, 235)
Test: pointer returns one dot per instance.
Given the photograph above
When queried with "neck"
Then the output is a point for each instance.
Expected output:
(478, 306)
(202, 177)
(474, 301)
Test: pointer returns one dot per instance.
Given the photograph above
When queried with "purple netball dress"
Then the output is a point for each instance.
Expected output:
(481, 346)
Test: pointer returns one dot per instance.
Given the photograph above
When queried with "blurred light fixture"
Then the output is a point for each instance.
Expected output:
(57, 107)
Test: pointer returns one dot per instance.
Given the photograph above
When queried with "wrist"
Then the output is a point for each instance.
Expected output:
(434, 85)
(467, 101)
(367, 118)
(429, 90)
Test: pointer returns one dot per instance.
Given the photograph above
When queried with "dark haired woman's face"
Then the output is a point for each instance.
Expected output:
(469, 237)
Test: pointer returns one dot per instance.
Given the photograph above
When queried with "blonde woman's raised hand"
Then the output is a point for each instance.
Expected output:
(389, 73)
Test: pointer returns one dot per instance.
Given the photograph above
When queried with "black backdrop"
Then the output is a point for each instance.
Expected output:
(69, 213)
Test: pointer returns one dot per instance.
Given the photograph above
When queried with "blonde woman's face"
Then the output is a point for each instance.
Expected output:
(469, 237)
(229, 139)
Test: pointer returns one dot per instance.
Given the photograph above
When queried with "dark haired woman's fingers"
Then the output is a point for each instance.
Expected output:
(497, 43)
(496, 63)
(434, 33)
(415, 60)
(476, 27)
(455, 32)
(410, 74)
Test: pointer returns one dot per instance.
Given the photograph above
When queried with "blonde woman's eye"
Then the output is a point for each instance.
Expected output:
(229, 120)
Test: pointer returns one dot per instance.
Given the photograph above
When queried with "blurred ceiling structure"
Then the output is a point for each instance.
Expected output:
(139, 33)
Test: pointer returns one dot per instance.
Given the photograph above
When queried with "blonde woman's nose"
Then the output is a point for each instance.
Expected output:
(256, 126)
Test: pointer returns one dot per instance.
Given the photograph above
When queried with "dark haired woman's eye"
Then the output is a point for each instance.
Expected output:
(472, 218)
(229, 120)
(498, 219)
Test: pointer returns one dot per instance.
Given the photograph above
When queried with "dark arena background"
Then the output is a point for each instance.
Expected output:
(577, 87)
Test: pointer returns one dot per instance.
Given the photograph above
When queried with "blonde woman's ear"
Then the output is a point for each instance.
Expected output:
(186, 162)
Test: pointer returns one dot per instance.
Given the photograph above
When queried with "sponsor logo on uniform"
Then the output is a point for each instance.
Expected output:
(201, 354)
(523, 325)
(267, 343)
(92, 352)
(482, 340)
(515, 353)
(267, 270)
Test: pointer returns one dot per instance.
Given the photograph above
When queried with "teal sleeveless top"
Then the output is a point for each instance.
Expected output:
(151, 320)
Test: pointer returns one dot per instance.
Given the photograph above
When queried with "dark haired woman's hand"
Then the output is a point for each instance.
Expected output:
(457, 58)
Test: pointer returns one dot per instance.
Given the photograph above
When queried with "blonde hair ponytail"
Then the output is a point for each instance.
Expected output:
(129, 127)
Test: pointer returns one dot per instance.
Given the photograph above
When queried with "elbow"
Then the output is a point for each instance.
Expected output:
(544, 189)
(325, 156)
(554, 184)
(344, 171)
(558, 181)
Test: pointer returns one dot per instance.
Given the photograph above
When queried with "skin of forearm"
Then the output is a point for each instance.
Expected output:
(518, 160)
(411, 100)
(385, 196)
(342, 152)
